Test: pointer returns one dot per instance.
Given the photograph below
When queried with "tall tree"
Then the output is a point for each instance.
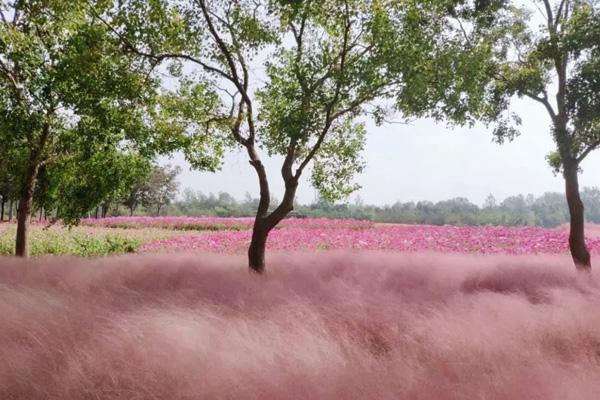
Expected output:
(324, 66)
(68, 89)
(546, 51)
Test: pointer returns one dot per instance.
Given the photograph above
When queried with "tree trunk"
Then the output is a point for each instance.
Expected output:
(10, 210)
(2, 208)
(27, 192)
(579, 251)
(24, 211)
(258, 245)
(264, 224)
(96, 214)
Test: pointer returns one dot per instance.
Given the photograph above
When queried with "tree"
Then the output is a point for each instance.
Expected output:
(68, 92)
(9, 178)
(498, 46)
(326, 66)
(160, 188)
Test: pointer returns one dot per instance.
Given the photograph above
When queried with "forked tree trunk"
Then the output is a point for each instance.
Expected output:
(24, 211)
(579, 251)
(264, 224)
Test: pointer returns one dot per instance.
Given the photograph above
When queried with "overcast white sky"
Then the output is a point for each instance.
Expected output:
(423, 161)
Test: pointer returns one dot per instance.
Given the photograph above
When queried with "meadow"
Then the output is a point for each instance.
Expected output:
(115, 235)
(378, 312)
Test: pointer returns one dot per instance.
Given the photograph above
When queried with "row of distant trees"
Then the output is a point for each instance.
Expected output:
(154, 192)
(91, 90)
(548, 210)
(148, 189)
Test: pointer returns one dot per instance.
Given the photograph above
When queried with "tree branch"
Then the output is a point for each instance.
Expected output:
(562, 5)
(544, 101)
(329, 112)
(549, 17)
(161, 56)
(587, 151)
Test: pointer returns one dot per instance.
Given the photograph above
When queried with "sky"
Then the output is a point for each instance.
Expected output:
(422, 160)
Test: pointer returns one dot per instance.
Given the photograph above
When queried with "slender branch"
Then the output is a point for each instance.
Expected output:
(544, 101)
(328, 117)
(18, 89)
(549, 17)
(562, 5)
(225, 51)
(160, 56)
(286, 169)
(3, 17)
(241, 85)
(17, 10)
(588, 150)
(235, 130)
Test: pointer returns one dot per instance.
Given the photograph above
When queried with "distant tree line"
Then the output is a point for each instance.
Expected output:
(146, 188)
(152, 190)
(548, 210)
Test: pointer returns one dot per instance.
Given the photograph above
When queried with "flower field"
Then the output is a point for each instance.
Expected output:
(218, 223)
(232, 236)
(397, 238)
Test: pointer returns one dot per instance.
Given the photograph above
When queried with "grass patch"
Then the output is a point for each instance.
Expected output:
(83, 241)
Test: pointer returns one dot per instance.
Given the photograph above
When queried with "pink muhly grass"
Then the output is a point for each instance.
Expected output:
(332, 325)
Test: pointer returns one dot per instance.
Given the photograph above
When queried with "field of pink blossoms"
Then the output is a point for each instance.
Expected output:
(218, 223)
(232, 236)
(324, 234)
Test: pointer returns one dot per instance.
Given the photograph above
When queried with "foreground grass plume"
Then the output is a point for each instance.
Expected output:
(318, 326)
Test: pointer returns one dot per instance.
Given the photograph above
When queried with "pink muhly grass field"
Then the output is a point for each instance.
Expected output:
(365, 325)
